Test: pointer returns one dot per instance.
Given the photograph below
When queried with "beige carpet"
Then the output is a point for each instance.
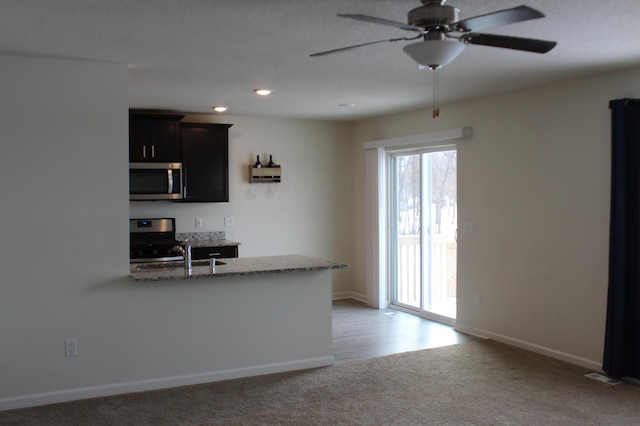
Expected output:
(475, 383)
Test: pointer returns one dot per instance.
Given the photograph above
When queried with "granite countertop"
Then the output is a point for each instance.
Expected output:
(232, 267)
(206, 239)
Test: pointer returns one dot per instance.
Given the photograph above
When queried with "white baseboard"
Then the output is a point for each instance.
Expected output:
(349, 295)
(552, 353)
(159, 383)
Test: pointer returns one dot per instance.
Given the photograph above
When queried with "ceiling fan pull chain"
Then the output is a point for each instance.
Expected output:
(436, 89)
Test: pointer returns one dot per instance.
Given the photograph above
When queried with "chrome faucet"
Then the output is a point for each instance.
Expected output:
(185, 251)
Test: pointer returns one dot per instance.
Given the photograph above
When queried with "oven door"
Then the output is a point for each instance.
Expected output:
(155, 181)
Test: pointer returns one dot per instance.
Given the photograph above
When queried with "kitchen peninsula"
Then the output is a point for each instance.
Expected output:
(251, 316)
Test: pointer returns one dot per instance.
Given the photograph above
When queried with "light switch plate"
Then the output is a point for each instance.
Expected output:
(229, 221)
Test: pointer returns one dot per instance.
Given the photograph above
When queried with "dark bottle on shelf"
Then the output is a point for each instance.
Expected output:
(258, 164)
(270, 162)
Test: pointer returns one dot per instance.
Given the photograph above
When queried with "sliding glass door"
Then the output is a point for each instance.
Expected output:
(423, 237)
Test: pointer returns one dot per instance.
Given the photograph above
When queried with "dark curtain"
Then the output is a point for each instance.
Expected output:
(622, 340)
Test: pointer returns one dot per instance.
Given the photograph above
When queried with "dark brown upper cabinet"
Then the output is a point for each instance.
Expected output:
(205, 162)
(154, 138)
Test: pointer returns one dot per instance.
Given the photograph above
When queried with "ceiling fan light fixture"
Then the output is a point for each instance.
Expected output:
(434, 54)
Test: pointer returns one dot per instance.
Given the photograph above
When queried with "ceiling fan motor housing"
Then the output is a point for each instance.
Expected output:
(433, 15)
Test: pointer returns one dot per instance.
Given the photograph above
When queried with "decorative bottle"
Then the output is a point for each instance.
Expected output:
(270, 162)
(258, 164)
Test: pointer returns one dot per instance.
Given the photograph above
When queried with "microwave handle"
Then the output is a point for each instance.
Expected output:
(170, 177)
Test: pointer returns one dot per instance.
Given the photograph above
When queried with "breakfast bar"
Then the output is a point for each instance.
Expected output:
(248, 316)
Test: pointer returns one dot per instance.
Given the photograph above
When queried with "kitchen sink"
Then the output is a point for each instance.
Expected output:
(173, 265)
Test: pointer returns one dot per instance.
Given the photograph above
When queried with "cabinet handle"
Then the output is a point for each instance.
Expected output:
(144, 151)
(214, 254)
(153, 151)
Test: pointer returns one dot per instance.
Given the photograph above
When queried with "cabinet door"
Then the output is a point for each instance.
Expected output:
(154, 138)
(138, 140)
(165, 141)
(205, 162)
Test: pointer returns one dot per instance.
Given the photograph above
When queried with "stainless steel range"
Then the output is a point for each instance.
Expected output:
(154, 240)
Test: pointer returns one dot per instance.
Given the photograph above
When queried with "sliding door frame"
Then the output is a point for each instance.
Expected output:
(376, 202)
(425, 231)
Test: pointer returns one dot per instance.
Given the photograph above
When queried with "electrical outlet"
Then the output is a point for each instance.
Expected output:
(469, 227)
(478, 299)
(198, 222)
(71, 347)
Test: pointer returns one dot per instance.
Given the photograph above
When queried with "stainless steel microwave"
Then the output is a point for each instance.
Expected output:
(155, 181)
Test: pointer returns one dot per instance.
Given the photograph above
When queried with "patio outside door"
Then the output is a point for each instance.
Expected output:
(423, 237)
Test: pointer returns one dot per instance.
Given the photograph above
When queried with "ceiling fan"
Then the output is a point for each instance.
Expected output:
(444, 36)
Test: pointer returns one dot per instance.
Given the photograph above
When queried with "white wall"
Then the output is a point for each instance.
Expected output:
(63, 216)
(534, 179)
(312, 212)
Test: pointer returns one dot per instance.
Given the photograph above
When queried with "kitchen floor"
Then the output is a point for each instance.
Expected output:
(361, 332)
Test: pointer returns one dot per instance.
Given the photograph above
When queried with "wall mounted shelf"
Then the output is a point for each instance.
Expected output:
(265, 174)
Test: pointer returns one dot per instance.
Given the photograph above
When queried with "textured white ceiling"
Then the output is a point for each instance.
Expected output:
(191, 54)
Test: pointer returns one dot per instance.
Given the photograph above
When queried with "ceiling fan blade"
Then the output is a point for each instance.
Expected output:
(382, 21)
(508, 42)
(501, 17)
(342, 49)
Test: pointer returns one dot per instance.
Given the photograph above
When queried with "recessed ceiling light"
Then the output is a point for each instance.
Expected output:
(347, 106)
(219, 108)
(262, 92)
